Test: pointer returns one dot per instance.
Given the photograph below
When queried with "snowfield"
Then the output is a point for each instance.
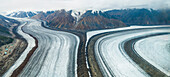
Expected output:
(156, 51)
(111, 57)
(56, 55)
(92, 33)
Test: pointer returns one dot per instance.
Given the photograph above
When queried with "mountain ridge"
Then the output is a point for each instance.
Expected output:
(23, 14)
(77, 20)
(102, 19)
(5, 24)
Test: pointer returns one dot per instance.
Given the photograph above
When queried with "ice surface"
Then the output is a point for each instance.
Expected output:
(56, 55)
(155, 50)
(109, 51)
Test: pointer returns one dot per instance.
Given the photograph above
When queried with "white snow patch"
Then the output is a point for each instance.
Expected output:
(7, 21)
(93, 11)
(27, 14)
(18, 13)
(77, 14)
(12, 14)
(35, 12)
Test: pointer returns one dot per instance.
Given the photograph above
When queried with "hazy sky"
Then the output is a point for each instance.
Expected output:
(32, 5)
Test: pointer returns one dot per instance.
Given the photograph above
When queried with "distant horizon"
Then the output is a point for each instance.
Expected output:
(45, 5)
(8, 12)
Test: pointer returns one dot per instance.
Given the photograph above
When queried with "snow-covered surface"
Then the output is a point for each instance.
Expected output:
(156, 50)
(31, 44)
(113, 60)
(4, 13)
(92, 33)
(77, 14)
(56, 55)
(20, 12)
(12, 14)
(27, 14)
(35, 12)
(7, 21)
(97, 11)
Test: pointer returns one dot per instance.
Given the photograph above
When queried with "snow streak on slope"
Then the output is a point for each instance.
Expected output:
(56, 55)
(156, 50)
(27, 15)
(113, 60)
(77, 15)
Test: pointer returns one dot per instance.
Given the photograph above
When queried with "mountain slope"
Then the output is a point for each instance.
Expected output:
(98, 20)
(141, 16)
(66, 20)
(5, 23)
(90, 19)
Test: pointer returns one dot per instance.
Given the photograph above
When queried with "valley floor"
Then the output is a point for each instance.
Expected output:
(107, 53)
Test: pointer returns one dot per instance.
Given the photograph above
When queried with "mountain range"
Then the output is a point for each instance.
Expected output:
(23, 14)
(77, 20)
(141, 16)
(91, 19)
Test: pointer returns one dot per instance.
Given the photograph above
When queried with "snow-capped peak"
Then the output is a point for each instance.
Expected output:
(77, 14)
(22, 14)
(95, 11)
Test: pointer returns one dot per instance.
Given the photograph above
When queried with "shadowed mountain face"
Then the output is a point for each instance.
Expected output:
(65, 20)
(5, 23)
(141, 16)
